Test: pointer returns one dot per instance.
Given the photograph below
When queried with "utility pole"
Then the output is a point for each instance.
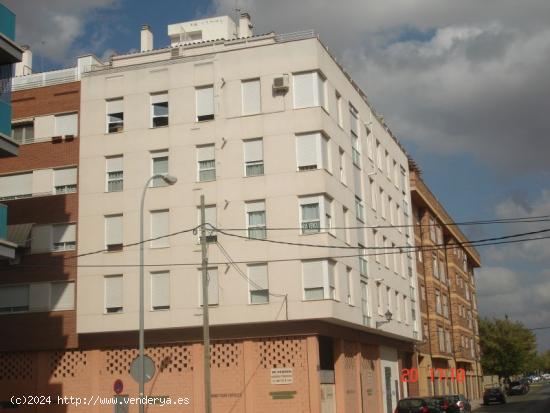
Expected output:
(205, 320)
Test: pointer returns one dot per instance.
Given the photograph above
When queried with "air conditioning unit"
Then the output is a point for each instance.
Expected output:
(280, 84)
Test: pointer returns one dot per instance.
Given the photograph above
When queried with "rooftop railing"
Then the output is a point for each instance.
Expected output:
(54, 77)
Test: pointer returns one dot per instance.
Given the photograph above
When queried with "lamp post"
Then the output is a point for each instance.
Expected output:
(170, 180)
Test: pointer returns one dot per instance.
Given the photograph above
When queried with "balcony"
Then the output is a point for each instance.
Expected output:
(9, 51)
(7, 249)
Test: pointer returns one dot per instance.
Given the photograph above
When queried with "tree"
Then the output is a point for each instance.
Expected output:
(545, 361)
(507, 347)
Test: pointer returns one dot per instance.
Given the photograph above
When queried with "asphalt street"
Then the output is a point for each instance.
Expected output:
(536, 401)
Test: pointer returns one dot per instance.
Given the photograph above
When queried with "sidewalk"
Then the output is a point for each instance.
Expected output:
(476, 404)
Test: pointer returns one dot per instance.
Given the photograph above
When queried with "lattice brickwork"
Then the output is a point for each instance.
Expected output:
(65, 364)
(170, 359)
(118, 360)
(226, 355)
(282, 353)
(349, 354)
(16, 366)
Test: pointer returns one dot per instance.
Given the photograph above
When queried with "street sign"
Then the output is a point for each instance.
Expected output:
(148, 366)
(281, 376)
(118, 386)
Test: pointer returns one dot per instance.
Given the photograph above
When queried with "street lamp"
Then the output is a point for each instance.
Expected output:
(170, 180)
(388, 316)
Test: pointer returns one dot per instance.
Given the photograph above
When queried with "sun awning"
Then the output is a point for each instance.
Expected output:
(19, 234)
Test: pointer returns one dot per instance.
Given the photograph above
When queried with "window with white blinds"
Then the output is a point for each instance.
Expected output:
(206, 163)
(312, 151)
(159, 166)
(255, 219)
(65, 180)
(318, 278)
(14, 298)
(160, 228)
(160, 290)
(253, 157)
(113, 232)
(159, 109)
(16, 186)
(308, 89)
(258, 283)
(204, 103)
(113, 294)
(115, 115)
(63, 237)
(114, 173)
(251, 96)
(62, 296)
(213, 286)
(66, 124)
(315, 214)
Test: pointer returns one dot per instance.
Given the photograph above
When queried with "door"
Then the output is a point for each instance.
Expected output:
(389, 406)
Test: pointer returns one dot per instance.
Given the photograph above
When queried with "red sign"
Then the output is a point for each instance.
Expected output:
(118, 386)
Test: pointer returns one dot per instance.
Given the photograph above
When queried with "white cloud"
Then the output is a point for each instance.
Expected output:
(52, 27)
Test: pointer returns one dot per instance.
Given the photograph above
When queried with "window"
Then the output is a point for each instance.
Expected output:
(422, 292)
(160, 290)
(443, 271)
(370, 149)
(115, 174)
(255, 219)
(404, 312)
(159, 161)
(467, 291)
(14, 298)
(205, 103)
(365, 310)
(438, 301)
(375, 235)
(382, 203)
(312, 151)
(395, 255)
(363, 267)
(253, 157)
(23, 132)
(309, 89)
(63, 237)
(113, 232)
(62, 296)
(160, 227)
(445, 306)
(386, 245)
(206, 163)
(388, 298)
(355, 151)
(388, 164)
(379, 297)
(342, 165)
(318, 280)
(372, 187)
(210, 219)
(403, 178)
(65, 180)
(359, 209)
(347, 230)
(258, 283)
(441, 338)
(432, 229)
(353, 120)
(251, 96)
(311, 211)
(66, 125)
(115, 115)
(435, 265)
(16, 186)
(213, 287)
(349, 281)
(379, 160)
(397, 299)
(339, 109)
(159, 109)
(113, 294)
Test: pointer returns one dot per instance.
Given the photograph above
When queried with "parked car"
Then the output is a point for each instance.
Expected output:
(462, 402)
(546, 376)
(446, 404)
(517, 387)
(494, 395)
(418, 405)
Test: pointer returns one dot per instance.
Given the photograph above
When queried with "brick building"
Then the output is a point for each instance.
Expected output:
(448, 305)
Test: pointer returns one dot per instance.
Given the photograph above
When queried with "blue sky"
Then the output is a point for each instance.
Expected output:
(463, 85)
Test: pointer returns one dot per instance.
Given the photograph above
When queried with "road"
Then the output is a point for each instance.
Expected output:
(536, 401)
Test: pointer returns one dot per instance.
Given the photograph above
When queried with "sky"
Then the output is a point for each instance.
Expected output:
(464, 85)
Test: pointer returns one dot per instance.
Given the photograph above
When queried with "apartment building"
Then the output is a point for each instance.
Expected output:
(312, 294)
(10, 53)
(445, 266)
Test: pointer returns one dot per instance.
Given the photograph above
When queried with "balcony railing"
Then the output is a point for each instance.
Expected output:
(54, 77)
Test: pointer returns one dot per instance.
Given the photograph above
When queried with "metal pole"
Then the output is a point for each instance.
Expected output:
(205, 320)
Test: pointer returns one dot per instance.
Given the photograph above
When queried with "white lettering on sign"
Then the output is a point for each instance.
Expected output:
(281, 376)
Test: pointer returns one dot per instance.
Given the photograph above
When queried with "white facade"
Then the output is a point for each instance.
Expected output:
(210, 154)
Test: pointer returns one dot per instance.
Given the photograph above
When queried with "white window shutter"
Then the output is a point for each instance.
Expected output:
(304, 89)
(115, 106)
(41, 238)
(66, 124)
(205, 101)
(113, 230)
(257, 274)
(114, 164)
(306, 146)
(357, 183)
(13, 185)
(14, 296)
(313, 274)
(113, 291)
(65, 176)
(64, 233)
(160, 288)
(206, 153)
(320, 89)
(62, 296)
(159, 98)
(258, 206)
(251, 96)
(160, 224)
(39, 296)
(253, 150)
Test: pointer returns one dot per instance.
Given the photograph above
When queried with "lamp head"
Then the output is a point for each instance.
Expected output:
(169, 179)
(388, 315)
